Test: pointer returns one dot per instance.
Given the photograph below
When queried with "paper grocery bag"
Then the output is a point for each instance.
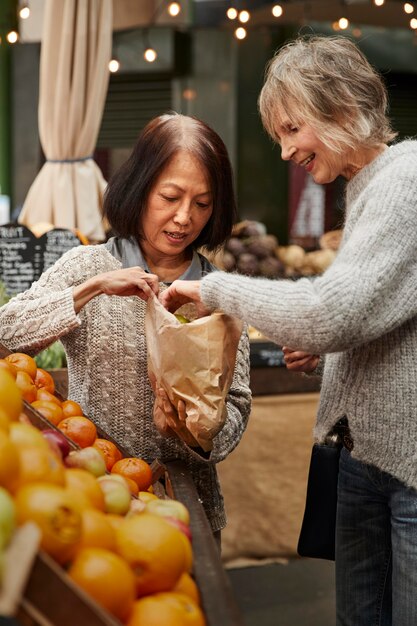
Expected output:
(193, 362)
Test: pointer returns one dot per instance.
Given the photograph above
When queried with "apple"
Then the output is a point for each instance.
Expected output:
(57, 440)
(117, 497)
(7, 517)
(88, 458)
(169, 508)
(184, 528)
(136, 506)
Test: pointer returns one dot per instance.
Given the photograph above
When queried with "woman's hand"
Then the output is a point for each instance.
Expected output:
(171, 422)
(181, 292)
(131, 281)
(298, 361)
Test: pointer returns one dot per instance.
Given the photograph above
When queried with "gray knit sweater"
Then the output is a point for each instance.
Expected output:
(107, 366)
(361, 313)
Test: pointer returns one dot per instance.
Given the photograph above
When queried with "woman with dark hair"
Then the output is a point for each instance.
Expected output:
(173, 195)
(326, 106)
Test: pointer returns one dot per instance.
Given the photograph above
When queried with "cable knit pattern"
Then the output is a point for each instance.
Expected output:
(361, 313)
(107, 366)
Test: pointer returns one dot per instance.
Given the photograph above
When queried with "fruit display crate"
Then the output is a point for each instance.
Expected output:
(51, 598)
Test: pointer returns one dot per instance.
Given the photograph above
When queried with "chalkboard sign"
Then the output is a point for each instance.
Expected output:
(24, 257)
(55, 243)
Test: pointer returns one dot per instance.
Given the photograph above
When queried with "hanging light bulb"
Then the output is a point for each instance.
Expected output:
(413, 23)
(379, 3)
(174, 8)
(24, 11)
(408, 8)
(231, 13)
(12, 36)
(343, 23)
(277, 10)
(240, 33)
(150, 55)
(114, 65)
(244, 16)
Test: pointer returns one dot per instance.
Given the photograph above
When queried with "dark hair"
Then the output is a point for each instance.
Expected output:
(128, 189)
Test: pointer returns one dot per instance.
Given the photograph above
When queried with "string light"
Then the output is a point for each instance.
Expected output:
(413, 23)
(240, 33)
(150, 55)
(277, 10)
(231, 13)
(174, 8)
(379, 3)
(24, 11)
(114, 65)
(12, 36)
(343, 23)
(244, 16)
(408, 8)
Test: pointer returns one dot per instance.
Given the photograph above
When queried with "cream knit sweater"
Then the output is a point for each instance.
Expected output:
(361, 313)
(107, 366)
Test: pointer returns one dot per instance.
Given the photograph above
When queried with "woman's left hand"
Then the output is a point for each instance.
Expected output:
(170, 422)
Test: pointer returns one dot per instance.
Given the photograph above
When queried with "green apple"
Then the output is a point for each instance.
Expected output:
(117, 496)
(169, 508)
(182, 319)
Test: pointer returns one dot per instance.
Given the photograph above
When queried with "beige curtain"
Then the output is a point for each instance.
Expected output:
(75, 52)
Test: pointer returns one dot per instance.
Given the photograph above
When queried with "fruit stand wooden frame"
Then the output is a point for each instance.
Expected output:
(51, 598)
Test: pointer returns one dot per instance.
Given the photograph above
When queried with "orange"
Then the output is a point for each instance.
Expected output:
(27, 435)
(97, 531)
(109, 450)
(50, 410)
(114, 520)
(83, 482)
(54, 510)
(79, 429)
(8, 367)
(10, 396)
(166, 609)
(154, 549)
(9, 463)
(23, 362)
(188, 586)
(39, 465)
(107, 578)
(43, 380)
(133, 487)
(71, 408)
(135, 469)
(146, 496)
(26, 386)
(4, 421)
(46, 396)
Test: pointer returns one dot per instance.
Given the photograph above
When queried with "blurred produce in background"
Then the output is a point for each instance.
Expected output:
(253, 252)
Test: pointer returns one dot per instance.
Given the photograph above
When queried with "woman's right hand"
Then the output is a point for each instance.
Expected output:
(299, 361)
(130, 281)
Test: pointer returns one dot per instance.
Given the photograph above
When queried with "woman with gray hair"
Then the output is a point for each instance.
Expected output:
(325, 105)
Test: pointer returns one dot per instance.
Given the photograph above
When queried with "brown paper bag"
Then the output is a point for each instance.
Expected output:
(193, 362)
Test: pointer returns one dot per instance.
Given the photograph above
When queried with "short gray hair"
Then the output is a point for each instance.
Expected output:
(327, 83)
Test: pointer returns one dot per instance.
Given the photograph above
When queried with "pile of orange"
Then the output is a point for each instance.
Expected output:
(136, 566)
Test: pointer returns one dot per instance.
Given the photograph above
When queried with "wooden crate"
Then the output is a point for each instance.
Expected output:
(52, 599)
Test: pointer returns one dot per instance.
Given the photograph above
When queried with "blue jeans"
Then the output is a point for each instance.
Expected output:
(376, 547)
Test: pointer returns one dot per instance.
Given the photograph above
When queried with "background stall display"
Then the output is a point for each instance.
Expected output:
(254, 252)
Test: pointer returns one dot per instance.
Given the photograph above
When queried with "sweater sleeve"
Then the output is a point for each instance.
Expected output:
(370, 289)
(34, 319)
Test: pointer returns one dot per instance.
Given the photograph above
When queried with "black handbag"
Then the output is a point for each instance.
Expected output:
(317, 534)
